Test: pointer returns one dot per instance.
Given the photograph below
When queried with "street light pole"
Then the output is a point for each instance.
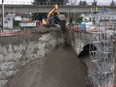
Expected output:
(2, 15)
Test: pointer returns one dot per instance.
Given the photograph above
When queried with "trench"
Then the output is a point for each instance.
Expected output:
(62, 68)
(85, 57)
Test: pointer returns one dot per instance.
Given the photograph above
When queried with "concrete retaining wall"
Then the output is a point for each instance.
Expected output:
(115, 63)
(81, 41)
(17, 51)
(78, 40)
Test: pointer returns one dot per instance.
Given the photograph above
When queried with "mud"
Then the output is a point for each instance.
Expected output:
(61, 69)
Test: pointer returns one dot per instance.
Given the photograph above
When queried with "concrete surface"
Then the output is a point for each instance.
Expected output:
(25, 9)
(61, 69)
(16, 51)
(115, 63)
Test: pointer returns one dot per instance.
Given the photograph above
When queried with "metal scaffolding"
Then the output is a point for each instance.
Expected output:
(101, 61)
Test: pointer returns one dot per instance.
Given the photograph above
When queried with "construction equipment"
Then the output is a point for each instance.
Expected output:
(52, 11)
(50, 14)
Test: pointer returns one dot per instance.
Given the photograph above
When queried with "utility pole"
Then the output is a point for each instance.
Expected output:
(2, 15)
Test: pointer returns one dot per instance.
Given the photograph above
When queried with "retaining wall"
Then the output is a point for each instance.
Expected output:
(80, 41)
(18, 50)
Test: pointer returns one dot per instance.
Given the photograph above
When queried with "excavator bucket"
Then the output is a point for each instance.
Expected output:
(44, 22)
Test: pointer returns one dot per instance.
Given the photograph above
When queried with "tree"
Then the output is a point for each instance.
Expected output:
(94, 3)
(40, 1)
(38, 16)
(59, 1)
(112, 3)
(49, 1)
(82, 3)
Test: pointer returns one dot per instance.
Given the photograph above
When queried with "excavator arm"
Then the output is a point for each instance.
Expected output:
(52, 11)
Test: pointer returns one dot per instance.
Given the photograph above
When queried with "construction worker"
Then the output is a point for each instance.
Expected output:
(62, 18)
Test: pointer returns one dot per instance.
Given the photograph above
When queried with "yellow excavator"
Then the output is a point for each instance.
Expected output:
(50, 14)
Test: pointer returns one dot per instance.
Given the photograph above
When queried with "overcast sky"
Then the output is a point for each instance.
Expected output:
(29, 1)
(99, 1)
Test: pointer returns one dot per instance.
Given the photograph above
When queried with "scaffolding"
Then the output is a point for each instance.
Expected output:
(101, 62)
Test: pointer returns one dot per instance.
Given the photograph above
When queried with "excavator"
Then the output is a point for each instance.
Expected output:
(49, 15)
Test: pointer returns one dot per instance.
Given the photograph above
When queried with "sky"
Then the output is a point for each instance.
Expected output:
(71, 1)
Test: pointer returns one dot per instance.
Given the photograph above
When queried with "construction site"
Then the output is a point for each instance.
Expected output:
(58, 47)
